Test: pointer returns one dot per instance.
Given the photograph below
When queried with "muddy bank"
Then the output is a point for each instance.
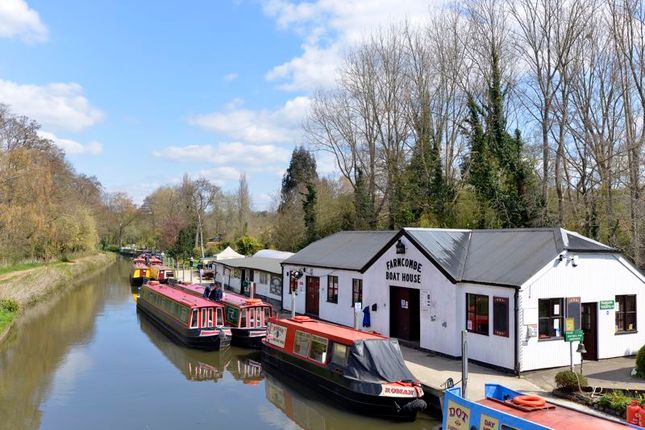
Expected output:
(28, 287)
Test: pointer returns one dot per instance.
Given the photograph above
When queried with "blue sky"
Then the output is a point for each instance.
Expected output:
(139, 93)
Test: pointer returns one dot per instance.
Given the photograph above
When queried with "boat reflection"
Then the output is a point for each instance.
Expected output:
(310, 411)
(135, 293)
(196, 365)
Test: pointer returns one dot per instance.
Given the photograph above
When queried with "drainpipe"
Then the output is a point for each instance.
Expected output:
(516, 297)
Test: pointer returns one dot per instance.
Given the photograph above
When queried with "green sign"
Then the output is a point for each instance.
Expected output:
(573, 336)
(606, 304)
(231, 315)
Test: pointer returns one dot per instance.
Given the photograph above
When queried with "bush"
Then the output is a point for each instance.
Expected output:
(568, 380)
(9, 305)
(640, 362)
(617, 400)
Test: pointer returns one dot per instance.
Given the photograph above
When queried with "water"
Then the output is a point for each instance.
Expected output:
(87, 360)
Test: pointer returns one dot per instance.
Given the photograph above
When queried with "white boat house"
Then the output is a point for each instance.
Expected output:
(262, 272)
(519, 293)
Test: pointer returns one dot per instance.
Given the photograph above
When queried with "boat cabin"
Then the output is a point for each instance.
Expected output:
(161, 273)
(192, 312)
(243, 312)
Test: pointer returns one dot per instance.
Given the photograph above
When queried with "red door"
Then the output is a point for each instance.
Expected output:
(312, 298)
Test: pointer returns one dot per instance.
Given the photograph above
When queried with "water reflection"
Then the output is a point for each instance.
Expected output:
(307, 409)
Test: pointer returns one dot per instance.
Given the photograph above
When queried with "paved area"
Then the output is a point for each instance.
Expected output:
(610, 373)
(434, 370)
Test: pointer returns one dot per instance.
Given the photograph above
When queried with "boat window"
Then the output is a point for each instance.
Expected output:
(220, 317)
(339, 354)
(301, 343)
(267, 315)
(243, 318)
(204, 317)
(258, 317)
(251, 317)
(318, 350)
(193, 322)
(210, 317)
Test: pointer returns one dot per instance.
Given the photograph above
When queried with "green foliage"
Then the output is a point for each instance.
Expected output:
(8, 311)
(247, 245)
(183, 247)
(365, 214)
(9, 305)
(310, 219)
(20, 266)
(618, 400)
(568, 380)
(301, 171)
(640, 362)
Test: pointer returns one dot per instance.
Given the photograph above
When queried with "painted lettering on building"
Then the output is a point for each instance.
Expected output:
(458, 416)
(392, 274)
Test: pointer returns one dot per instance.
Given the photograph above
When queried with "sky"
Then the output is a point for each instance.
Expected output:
(139, 93)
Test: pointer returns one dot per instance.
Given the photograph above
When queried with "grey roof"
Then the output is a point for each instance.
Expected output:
(271, 265)
(503, 257)
(352, 250)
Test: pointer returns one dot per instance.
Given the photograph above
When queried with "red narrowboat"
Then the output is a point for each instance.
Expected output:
(246, 317)
(193, 321)
(362, 371)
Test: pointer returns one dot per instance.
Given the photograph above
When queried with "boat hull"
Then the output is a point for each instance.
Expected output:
(187, 337)
(340, 390)
(248, 337)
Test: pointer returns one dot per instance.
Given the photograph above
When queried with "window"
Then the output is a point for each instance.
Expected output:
(339, 354)
(204, 318)
(251, 317)
(243, 318)
(220, 317)
(210, 317)
(193, 321)
(301, 343)
(357, 291)
(267, 315)
(318, 350)
(264, 278)
(258, 317)
(500, 316)
(332, 289)
(477, 313)
(626, 314)
(550, 318)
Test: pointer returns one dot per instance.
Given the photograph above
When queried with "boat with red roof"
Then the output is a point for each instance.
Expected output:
(362, 371)
(193, 321)
(161, 273)
(246, 317)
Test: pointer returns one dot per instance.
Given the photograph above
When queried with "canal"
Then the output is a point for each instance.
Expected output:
(86, 359)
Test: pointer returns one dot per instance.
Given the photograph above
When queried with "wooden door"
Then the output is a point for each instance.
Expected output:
(399, 312)
(312, 297)
(589, 323)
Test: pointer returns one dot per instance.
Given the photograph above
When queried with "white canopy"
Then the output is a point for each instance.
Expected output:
(228, 253)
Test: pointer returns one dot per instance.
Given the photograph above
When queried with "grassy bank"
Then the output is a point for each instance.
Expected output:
(22, 288)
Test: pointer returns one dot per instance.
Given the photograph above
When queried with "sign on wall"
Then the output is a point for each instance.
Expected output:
(397, 269)
(426, 301)
(458, 416)
(276, 286)
(573, 311)
(607, 304)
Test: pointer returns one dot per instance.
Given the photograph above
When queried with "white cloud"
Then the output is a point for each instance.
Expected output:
(235, 153)
(72, 146)
(328, 28)
(61, 106)
(220, 175)
(282, 125)
(230, 77)
(18, 20)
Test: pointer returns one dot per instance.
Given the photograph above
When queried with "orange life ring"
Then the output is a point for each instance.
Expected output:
(529, 401)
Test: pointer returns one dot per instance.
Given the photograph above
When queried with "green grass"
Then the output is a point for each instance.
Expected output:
(20, 266)
(6, 317)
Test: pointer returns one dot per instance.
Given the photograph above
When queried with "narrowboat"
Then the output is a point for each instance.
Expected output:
(193, 321)
(161, 273)
(506, 409)
(362, 371)
(246, 317)
(140, 272)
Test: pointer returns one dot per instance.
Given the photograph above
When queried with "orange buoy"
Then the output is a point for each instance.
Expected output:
(529, 401)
